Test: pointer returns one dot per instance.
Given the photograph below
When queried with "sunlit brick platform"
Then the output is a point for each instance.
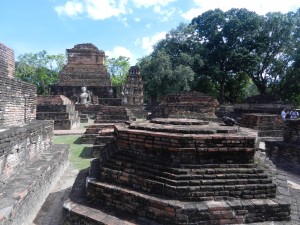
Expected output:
(267, 125)
(182, 171)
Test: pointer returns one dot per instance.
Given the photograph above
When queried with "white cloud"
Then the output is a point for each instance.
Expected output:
(165, 14)
(95, 9)
(149, 3)
(121, 51)
(71, 8)
(260, 7)
(103, 9)
(137, 19)
(147, 43)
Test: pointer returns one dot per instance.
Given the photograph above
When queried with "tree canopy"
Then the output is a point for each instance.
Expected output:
(40, 69)
(229, 54)
(118, 69)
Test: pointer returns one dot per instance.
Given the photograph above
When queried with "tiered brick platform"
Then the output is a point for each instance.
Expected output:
(58, 108)
(99, 135)
(112, 114)
(181, 171)
(192, 105)
(91, 133)
(267, 125)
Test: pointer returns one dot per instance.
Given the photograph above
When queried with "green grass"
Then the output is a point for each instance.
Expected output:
(80, 154)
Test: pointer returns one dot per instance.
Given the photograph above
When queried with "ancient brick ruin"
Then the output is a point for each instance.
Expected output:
(267, 103)
(29, 162)
(133, 92)
(180, 171)
(58, 108)
(288, 150)
(7, 61)
(192, 105)
(85, 67)
(267, 125)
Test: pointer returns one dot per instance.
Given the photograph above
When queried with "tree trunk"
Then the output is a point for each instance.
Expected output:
(222, 93)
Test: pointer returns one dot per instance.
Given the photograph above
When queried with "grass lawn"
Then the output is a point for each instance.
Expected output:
(80, 154)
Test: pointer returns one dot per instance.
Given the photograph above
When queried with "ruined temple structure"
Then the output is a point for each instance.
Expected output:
(180, 171)
(133, 93)
(264, 103)
(85, 68)
(29, 162)
(288, 150)
(86, 71)
(193, 105)
(267, 125)
(58, 108)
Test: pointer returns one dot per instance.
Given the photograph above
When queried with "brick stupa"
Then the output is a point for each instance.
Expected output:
(180, 171)
(85, 67)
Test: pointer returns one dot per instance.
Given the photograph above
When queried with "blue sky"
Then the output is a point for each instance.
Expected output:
(119, 27)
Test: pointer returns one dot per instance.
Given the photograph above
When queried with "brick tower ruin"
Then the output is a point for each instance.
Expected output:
(180, 171)
(85, 68)
(29, 162)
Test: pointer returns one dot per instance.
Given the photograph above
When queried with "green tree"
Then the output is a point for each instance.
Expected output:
(170, 67)
(118, 69)
(270, 51)
(161, 76)
(39, 69)
(223, 36)
(289, 85)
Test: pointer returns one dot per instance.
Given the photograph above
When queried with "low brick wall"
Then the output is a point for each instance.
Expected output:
(110, 101)
(88, 109)
(292, 131)
(268, 125)
(23, 196)
(20, 145)
(192, 105)
(110, 114)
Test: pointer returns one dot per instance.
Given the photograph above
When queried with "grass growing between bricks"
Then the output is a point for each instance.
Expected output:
(80, 154)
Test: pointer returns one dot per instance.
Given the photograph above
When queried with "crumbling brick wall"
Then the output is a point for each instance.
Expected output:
(18, 99)
(7, 62)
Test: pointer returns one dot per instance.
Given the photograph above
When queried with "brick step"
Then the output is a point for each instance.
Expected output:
(179, 180)
(129, 160)
(171, 211)
(112, 119)
(204, 175)
(22, 197)
(115, 175)
(199, 192)
(122, 120)
(103, 139)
